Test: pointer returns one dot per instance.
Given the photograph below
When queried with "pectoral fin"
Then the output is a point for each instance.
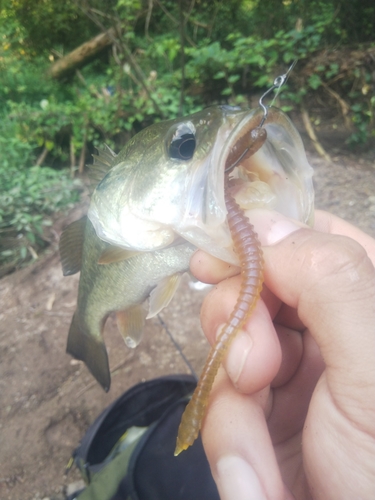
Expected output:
(113, 253)
(116, 254)
(130, 324)
(162, 294)
(71, 245)
(91, 350)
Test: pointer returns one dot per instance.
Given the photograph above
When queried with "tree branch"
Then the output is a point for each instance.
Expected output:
(311, 133)
(81, 55)
(120, 43)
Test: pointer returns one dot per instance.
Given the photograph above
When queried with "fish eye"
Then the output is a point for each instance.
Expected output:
(182, 142)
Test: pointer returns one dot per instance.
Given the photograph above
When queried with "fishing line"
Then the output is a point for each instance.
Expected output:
(177, 346)
(277, 84)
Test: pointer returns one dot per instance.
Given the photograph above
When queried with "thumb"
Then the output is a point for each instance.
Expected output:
(330, 280)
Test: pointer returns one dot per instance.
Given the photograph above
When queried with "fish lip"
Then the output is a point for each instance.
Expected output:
(204, 220)
(249, 122)
(282, 163)
(283, 147)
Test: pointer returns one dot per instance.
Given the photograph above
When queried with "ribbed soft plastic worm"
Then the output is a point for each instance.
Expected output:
(248, 249)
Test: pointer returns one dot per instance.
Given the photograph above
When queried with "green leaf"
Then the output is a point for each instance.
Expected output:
(314, 81)
(233, 78)
(219, 75)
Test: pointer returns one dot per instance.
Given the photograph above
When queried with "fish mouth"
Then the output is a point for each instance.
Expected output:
(276, 177)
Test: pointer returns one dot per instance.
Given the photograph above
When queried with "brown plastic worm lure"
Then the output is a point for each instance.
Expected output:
(249, 253)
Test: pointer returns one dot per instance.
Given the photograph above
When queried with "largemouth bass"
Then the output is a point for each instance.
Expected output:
(177, 186)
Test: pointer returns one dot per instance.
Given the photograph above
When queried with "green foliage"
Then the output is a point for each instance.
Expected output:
(45, 25)
(169, 58)
(29, 196)
(337, 21)
(27, 201)
(226, 54)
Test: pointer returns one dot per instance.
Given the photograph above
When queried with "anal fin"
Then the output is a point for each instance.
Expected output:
(130, 324)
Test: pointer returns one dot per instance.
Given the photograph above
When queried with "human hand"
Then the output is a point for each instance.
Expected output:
(292, 413)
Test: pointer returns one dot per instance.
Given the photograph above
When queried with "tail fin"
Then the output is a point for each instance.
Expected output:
(91, 351)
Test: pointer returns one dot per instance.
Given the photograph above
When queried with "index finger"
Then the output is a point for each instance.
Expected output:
(272, 227)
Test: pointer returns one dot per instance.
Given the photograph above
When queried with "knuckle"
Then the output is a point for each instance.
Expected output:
(340, 265)
(342, 256)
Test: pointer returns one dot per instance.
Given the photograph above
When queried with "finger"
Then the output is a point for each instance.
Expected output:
(291, 344)
(238, 445)
(291, 399)
(257, 341)
(333, 289)
(288, 317)
(210, 269)
(328, 223)
(271, 227)
(220, 301)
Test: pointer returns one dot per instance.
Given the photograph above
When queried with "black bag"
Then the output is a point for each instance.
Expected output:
(128, 452)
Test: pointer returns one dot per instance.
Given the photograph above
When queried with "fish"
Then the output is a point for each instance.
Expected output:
(176, 186)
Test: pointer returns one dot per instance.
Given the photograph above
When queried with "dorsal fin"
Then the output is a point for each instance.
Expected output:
(71, 245)
(103, 161)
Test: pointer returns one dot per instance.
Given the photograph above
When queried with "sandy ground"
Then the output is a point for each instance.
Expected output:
(47, 399)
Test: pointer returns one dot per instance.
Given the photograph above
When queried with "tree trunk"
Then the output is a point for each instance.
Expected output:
(81, 55)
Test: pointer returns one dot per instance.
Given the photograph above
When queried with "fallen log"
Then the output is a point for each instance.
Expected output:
(81, 55)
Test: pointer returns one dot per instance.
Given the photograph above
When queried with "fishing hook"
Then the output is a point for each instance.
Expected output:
(277, 84)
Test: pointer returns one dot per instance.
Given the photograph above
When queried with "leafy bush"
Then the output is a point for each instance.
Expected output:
(147, 79)
(29, 196)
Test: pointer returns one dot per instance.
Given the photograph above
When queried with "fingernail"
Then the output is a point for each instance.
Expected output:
(237, 479)
(237, 355)
(280, 230)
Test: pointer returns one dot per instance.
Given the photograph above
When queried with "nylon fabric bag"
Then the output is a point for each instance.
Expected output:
(128, 452)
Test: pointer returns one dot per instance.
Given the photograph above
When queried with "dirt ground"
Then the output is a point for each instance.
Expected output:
(47, 399)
